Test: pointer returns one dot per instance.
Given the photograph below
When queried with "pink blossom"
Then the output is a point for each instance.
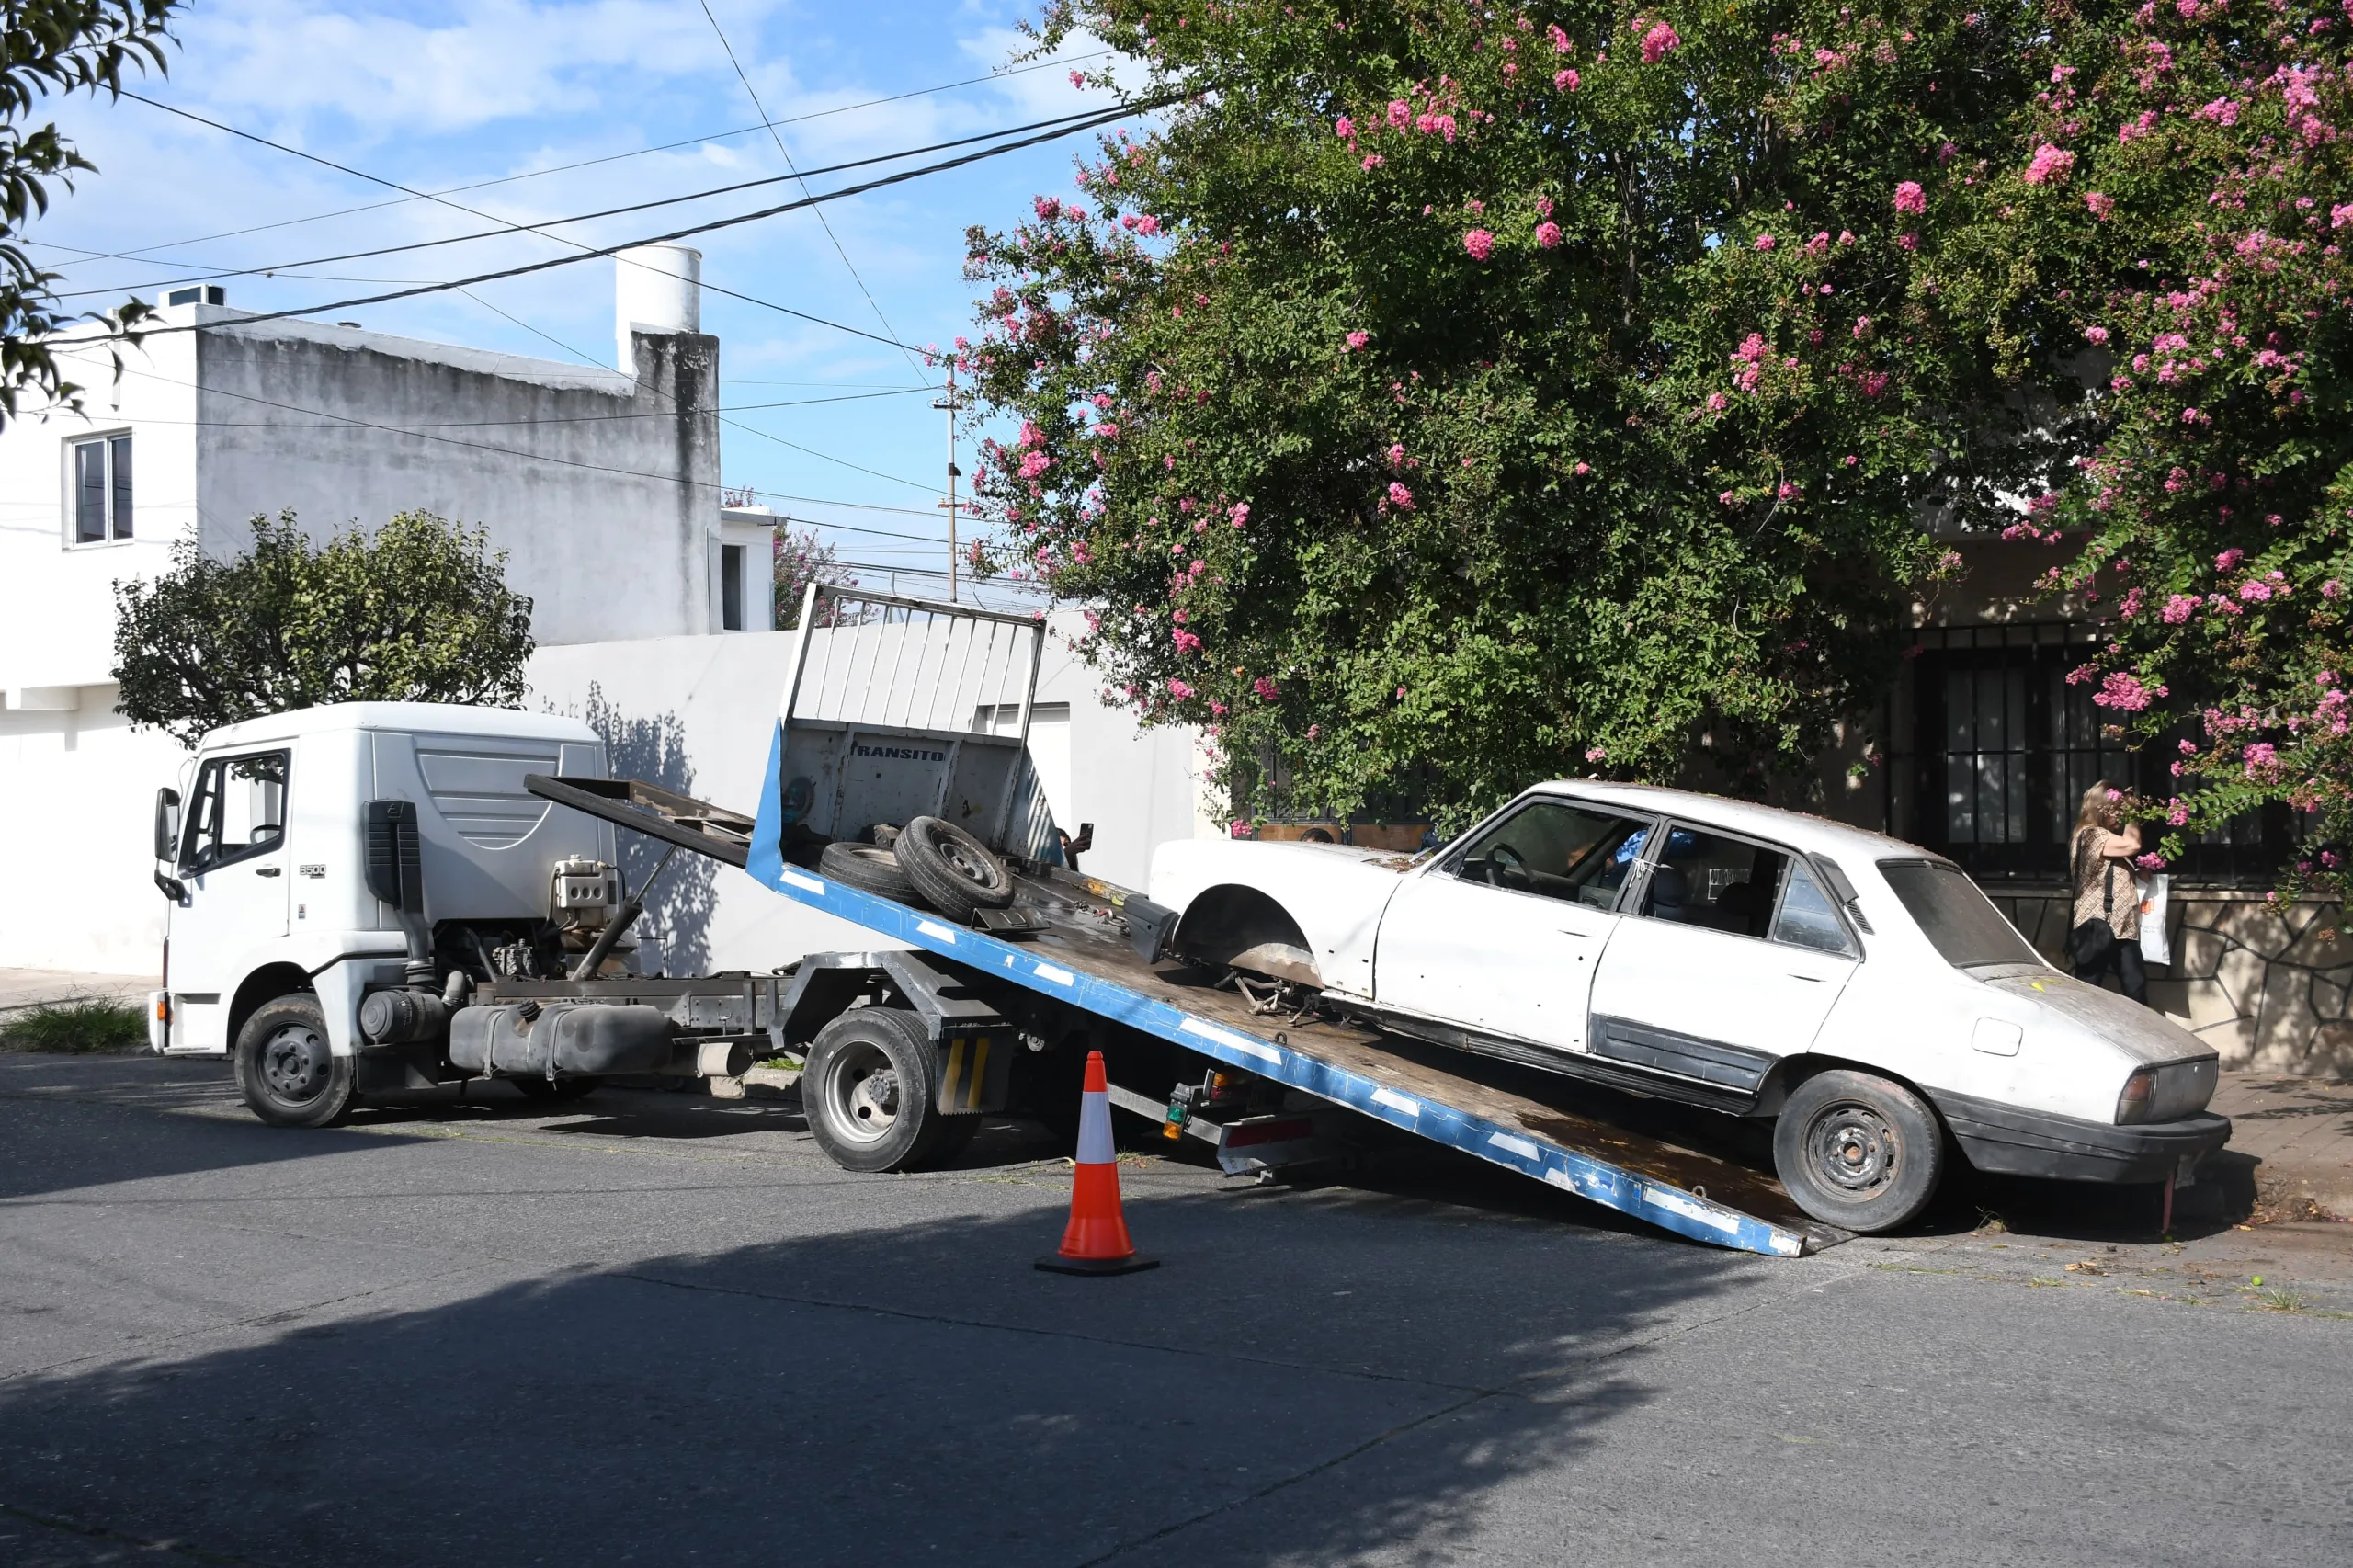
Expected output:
(2332, 589)
(2254, 590)
(1400, 497)
(1765, 242)
(2151, 861)
(1908, 242)
(1787, 491)
(1584, 469)
(1048, 208)
(1401, 114)
(1544, 207)
(2096, 333)
(1910, 197)
(1565, 81)
(2049, 164)
(1267, 690)
(1239, 514)
(1358, 340)
(2340, 215)
(1548, 234)
(1396, 455)
(1717, 402)
(1147, 224)
(1178, 689)
(2229, 559)
(1343, 127)
(1597, 754)
(1658, 42)
(2101, 206)
(1725, 497)
(1187, 642)
(2221, 111)
(1373, 160)
(1480, 244)
(1034, 463)
(2179, 607)
(1314, 731)
(1218, 709)
(1560, 39)
(2260, 756)
(2124, 691)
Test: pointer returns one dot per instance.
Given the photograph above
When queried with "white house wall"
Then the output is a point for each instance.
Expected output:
(603, 490)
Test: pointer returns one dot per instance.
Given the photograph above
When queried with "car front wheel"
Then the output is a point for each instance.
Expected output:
(1857, 1151)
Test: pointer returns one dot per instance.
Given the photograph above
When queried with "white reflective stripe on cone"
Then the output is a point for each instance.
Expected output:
(1095, 1131)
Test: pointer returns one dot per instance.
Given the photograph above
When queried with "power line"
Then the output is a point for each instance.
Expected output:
(147, 252)
(1092, 116)
(1107, 118)
(776, 136)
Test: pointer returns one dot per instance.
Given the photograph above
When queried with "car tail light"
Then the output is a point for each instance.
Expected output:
(2140, 1094)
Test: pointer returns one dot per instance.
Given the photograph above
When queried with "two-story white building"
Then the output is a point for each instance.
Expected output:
(601, 487)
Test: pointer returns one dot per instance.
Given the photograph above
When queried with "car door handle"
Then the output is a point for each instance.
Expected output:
(269, 870)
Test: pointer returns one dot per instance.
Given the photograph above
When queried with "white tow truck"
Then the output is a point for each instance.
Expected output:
(374, 901)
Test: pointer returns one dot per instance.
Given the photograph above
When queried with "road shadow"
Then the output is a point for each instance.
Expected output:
(890, 1393)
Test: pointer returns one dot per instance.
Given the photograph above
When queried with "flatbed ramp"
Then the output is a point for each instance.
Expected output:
(1082, 956)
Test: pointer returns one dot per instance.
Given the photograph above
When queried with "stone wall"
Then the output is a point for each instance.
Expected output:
(2270, 986)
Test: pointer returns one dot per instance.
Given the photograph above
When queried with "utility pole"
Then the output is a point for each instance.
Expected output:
(950, 405)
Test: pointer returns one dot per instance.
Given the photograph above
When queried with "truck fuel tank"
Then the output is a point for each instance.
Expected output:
(527, 1039)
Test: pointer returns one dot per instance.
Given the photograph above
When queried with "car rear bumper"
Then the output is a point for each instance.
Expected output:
(2007, 1139)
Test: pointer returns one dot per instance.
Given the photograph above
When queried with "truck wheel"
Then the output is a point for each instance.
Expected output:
(868, 1089)
(868, 870)
(1859, 1152)
(286, 1070)
(955, 872)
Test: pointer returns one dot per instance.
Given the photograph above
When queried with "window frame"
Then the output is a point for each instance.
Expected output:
(1790, 853)
(119, 523)
(1450, 863)
(194, 815)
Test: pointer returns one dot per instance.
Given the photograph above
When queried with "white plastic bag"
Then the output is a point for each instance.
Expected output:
(2156, 946)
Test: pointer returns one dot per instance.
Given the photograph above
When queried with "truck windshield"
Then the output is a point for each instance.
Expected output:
(1958, 920)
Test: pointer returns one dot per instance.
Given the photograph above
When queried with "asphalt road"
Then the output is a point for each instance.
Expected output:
(664, 1330)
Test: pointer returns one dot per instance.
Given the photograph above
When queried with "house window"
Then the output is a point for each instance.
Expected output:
(2003, 747)
(731, 587)
(101, 489)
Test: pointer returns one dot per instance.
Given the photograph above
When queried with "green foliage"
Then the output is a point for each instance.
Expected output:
(1478, 395)
(418, 613)
(803, 557)
(1481, 397)
(78, 1026)
(54, 47)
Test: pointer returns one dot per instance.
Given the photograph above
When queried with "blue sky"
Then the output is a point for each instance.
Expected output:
(434, 96)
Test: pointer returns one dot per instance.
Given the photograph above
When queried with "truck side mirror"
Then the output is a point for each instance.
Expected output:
(168, 825)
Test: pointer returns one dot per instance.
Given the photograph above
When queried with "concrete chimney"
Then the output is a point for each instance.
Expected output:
(656, 288)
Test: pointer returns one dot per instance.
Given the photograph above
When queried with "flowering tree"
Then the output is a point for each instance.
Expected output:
(803, 557)
(1504, 394)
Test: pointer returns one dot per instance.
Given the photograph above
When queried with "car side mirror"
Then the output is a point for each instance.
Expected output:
(168, 825)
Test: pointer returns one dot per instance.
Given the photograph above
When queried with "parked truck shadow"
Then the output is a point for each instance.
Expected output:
(678, 911)
(1298, 1383)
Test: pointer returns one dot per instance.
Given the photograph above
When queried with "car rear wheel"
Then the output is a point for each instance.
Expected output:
(1857, 1151)
(289, 1074)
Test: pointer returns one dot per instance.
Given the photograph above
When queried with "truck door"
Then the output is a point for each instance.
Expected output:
(1728, 963)
(232, 861)
(1504, 935)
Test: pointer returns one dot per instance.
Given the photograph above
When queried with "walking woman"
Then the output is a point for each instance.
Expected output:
(2105, 932)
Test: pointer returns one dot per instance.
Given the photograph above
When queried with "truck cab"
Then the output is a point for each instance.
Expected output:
(262, 851)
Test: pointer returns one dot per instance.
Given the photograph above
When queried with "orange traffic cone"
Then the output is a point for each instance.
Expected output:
(1096, 1241)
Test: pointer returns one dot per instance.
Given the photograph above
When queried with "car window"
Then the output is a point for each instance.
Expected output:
(239, 809)
(1704, 878)
(1557, 850)
(1958, 919)
(1807, 918)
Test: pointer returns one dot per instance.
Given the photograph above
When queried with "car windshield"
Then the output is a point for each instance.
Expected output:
(1958, 920)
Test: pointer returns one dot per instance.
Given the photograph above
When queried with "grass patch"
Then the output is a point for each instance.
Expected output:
(78, 1026)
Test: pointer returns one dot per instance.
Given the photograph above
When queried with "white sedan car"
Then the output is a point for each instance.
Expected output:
(1860, 990)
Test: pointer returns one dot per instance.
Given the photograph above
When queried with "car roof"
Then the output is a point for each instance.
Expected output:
(422, 718)
(1800, 830)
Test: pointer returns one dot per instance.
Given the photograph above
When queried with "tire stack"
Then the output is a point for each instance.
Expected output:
(931, 864)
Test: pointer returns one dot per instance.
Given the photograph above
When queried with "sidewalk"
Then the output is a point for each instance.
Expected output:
(2302, 1129)
(22, 988)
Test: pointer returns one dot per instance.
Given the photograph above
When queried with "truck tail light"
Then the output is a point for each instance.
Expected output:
(2139, 1092)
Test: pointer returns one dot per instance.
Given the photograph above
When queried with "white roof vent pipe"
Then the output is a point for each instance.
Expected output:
(656, 288)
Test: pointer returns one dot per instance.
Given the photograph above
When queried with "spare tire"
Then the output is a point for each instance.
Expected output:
(868, 870)
(954, 872)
